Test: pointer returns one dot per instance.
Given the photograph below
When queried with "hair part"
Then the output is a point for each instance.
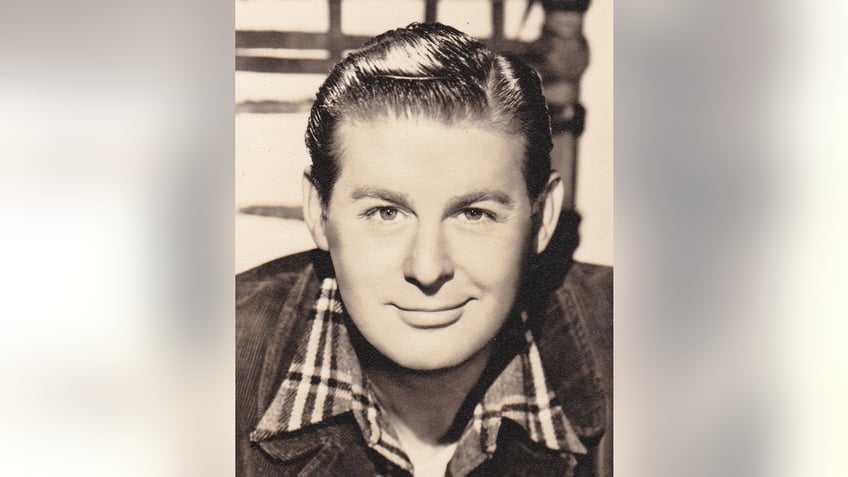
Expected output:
(436, 72)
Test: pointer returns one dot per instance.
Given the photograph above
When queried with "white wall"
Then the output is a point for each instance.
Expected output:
(270, 153)
(594, 195)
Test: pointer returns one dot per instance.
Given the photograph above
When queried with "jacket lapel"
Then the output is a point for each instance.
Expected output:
(518, 456)
(331, 449)
(286, 336)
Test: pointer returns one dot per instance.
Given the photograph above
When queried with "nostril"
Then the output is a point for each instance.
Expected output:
(430, 287)
(430, 275)
(429, 272)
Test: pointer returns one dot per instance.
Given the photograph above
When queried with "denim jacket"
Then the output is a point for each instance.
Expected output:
(572, 307)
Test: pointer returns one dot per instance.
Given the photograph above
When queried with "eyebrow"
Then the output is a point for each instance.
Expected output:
(458, 202)
(382, 194)
(482, 196)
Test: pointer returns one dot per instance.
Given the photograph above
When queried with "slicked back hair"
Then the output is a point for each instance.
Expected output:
(435, 72)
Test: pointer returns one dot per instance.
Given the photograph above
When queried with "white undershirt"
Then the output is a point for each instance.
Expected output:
(432, 462)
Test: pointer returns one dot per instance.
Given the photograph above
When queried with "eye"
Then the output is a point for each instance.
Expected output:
(387, 213)
(382, 214)
(476, 215)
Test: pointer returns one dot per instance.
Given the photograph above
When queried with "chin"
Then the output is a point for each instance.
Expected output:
(425, 364)
(430, 359)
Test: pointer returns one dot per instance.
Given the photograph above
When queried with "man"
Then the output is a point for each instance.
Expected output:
(427, 335)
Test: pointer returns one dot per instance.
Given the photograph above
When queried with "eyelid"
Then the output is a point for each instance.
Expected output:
(487, 213)
(371, 212)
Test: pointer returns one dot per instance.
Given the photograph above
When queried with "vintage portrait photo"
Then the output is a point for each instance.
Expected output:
(360, 238)
(423, 238)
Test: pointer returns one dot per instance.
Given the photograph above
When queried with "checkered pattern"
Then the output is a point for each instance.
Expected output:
(521, 394)
(325, 380)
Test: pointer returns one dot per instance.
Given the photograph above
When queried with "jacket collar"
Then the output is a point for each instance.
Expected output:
(324, 381)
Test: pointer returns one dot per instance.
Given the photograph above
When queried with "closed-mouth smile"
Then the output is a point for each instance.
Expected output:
(432, 316)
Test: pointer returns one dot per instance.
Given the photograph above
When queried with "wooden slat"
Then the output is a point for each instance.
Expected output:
(293, 65)
(335, 10)
(321, 41)
(431, 11)
(265, 64)
(278, 211)
(565, 5)
(335, 33)
(511, 46)
(295, 40)
(497, 20)
(274, 106)
(282, 39)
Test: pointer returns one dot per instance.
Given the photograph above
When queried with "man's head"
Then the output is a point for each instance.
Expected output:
(430, 187)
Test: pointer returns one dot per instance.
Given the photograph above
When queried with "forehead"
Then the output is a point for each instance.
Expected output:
(427, 156)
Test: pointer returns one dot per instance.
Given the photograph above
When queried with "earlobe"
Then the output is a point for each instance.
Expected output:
(550, 206)
(313, 211)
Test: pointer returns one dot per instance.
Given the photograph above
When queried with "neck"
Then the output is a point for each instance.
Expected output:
(422, 405)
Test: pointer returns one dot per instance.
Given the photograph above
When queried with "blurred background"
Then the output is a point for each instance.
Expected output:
(117, 178)
(285, 48)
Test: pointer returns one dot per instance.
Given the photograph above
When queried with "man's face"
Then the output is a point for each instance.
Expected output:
(428, 228)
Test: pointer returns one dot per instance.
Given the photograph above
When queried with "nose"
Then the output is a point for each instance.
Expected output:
(428, 263)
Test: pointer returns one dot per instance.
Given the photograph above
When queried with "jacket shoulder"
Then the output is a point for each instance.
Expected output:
(591, 288)
(274, 273)
(272, 302)
(579, 322)
(576, 345)
(263, 292)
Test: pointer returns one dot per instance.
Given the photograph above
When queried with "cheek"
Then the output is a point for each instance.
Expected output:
(362, 259)
(496, 259)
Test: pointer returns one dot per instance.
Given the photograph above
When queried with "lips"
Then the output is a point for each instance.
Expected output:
(431, 316)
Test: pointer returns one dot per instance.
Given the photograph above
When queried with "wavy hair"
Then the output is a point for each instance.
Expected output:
(436, 72)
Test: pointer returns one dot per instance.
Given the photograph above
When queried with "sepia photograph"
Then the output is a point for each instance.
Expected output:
(416, 238)
(423, 238)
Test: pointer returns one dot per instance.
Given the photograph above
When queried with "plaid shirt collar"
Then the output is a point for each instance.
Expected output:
(325, 380)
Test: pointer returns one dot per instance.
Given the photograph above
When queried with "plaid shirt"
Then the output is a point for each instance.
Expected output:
(325, 380)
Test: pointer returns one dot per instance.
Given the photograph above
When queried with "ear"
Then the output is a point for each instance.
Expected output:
(313, 211)
(549, 205)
